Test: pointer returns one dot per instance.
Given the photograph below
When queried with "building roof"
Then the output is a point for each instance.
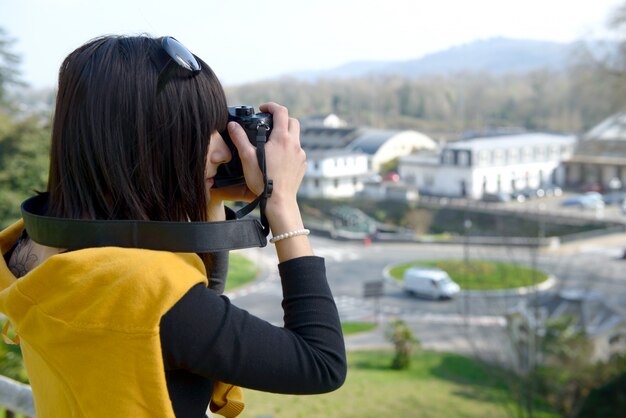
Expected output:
(328, 120)
(612, 128)
(316, 154)
(371, 140)
(605, 143)
(510, 141)
(588, 309)
(317, 137)
(421, 158)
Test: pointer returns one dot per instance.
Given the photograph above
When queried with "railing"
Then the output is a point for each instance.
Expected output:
(16, 397)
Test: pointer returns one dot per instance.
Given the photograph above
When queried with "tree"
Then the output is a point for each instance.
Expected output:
(24, 153)
(566, 374)
(8, 65)
(404, 341)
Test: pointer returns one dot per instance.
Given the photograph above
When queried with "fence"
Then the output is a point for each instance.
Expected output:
(16, 397)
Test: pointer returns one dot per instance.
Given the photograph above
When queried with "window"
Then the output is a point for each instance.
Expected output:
(463, 158)
(499, 157)
(483, 157)
(564, 151)
(448, 157)
(513, 155)
(554, 152)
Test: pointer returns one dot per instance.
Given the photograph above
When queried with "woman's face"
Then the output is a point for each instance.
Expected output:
(218, 153)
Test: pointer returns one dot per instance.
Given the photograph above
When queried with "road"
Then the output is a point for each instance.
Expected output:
(471, 323)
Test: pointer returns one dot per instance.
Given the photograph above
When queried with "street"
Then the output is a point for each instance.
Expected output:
(472, 323)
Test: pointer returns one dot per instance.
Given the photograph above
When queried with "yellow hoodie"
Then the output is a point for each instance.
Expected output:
(88, 324)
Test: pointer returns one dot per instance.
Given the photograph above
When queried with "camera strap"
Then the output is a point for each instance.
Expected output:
(261, 200)
(198, 237)
(193, 237)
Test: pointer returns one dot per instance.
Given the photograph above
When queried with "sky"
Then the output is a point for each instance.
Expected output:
(245, 40)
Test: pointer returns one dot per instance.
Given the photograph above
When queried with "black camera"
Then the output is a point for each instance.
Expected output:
(254, 124)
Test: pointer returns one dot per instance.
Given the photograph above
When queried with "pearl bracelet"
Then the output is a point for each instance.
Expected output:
(289, 235)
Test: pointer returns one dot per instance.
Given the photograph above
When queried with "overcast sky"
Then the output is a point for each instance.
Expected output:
(245, 40)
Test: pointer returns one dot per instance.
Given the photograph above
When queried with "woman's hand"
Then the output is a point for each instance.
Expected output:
(285, 159)
(285, 163)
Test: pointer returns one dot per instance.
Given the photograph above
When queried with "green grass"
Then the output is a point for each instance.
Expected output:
(3, 414)
(436, 385)
(480, 274)
(349, 328)
(240, 271)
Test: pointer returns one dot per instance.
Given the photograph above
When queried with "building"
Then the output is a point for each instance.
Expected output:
(586, 312)
(341, 159)
(380, 145)
(501, 164)
(334, 174)
(387, 145)
(599, 159)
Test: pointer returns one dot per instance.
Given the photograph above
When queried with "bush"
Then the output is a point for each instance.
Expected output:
(404, 341)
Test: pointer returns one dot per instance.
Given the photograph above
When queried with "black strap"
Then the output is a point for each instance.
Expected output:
(261, 200)
(198, 237)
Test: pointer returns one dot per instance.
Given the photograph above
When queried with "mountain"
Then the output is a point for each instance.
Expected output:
(494, 55)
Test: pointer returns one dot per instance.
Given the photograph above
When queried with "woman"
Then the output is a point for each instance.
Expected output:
(132, 332)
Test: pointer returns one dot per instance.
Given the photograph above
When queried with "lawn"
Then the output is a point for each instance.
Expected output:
(437, 385)
(240, 271)
(349, 328)
(480, 274)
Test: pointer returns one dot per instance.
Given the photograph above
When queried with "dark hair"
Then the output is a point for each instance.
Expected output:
(120, 150)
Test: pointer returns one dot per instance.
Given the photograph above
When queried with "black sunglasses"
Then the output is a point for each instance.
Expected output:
(180, 57)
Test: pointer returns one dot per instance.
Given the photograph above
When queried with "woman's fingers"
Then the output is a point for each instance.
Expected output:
(247, 154)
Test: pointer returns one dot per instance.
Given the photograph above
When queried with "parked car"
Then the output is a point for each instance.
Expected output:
(518, 195)
(589, 200)
(613, 198)
(430, 282)
(527, 193)
(496, 197)
(391, 176)
(551, 190)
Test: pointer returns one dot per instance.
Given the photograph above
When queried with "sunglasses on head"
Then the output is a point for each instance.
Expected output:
(180, 57)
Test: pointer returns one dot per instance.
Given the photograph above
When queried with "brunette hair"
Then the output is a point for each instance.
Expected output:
(120, 148)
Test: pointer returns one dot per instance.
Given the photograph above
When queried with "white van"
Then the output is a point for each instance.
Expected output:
(430, 282)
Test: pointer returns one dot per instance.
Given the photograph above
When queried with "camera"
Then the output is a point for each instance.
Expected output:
(231, 174)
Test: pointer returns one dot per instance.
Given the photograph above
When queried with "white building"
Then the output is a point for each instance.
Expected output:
(387, 145)
(334, 174)
(488, 165)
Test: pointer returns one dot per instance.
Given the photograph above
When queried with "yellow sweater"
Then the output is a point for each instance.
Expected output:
(88, 323)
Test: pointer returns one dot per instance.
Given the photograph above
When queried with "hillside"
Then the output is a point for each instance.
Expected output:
(494, 55)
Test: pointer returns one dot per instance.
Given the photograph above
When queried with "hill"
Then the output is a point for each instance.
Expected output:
(494, 55)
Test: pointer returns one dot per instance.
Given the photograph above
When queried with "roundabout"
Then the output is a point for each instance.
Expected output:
(481, 277)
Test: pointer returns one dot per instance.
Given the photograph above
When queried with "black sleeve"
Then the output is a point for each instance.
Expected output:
(218, 271)
(219, 264)
(207, 335)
